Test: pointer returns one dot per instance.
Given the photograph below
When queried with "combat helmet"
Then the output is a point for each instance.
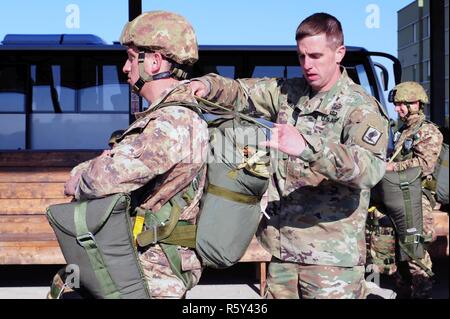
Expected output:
(167, 33)
(408, 92)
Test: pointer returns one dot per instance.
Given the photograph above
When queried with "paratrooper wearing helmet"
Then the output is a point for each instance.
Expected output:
(417, 144)
(167, 33)
(160, 159)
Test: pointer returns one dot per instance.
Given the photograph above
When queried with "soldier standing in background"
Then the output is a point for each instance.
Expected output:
(164, 150)
(333, 136)
(417, 144)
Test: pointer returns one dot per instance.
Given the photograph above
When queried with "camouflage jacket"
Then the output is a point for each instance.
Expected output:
(166, 147)
(317, 201)
(425, 147)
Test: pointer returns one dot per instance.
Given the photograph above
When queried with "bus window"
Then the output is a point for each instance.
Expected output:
(278, 71)
(227, 71)
(74, 131)
(12, 88)
(49, 95)
(294, 72)
(364, 80)
(12, 107)
(104, 88)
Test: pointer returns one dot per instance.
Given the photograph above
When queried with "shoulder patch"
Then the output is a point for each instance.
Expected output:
(372, 136)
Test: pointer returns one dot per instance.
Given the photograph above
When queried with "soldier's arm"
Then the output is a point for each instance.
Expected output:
(426, 151)
(246, 95)
(358, 161)
(136, 161)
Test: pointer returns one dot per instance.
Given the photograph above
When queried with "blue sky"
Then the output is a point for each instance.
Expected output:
(216, 22)
(368, 23)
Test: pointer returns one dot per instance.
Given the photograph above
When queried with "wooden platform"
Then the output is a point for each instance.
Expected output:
(30, 181)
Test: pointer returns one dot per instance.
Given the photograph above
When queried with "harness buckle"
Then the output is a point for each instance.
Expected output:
(85, 237)
(404, 185)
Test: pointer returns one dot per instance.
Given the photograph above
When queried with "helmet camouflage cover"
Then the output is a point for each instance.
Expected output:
(165, 32)
(409, 92)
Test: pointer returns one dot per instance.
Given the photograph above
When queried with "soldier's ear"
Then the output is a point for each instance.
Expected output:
(340, 53)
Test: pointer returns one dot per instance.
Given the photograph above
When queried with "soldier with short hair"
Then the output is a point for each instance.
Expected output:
(163, 151)
(333, 138)
(417, 144)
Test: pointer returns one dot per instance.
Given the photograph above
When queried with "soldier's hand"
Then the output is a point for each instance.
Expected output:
(287, 139)
(199, 88)
(389, 167)
(71, 185)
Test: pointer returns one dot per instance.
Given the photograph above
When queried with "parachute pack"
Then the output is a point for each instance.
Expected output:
(399, 196)
(102, 236)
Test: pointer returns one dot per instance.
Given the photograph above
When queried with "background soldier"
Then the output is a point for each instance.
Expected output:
(334, 139)
(418, 144)
(112, 142)
(163, 150)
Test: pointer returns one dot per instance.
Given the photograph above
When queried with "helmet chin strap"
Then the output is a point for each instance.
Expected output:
(145, 77)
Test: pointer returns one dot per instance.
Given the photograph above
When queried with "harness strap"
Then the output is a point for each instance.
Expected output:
(233, 196)
(87, 241)
(158, 231)
(404, 186)
(174, 259)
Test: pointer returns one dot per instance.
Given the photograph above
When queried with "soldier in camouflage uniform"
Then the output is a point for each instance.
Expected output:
(165, 148)
(424, 147)
(333, 139)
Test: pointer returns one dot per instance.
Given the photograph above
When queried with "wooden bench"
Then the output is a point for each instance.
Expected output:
(30, 181)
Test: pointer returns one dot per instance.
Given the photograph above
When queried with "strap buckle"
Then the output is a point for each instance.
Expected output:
(417, 239)
(85, 237)
(404, 185)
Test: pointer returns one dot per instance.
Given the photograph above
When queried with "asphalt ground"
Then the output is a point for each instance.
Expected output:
(237, 282)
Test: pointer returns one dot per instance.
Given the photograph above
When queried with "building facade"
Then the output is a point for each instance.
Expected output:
(414, 48)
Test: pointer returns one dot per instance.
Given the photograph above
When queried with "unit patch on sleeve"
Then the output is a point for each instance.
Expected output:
(372, 136)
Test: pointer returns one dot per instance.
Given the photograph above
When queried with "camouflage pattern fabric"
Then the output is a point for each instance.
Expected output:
(380, 245)
(426, 145)
(410, 92)
(58, 286)
(162, 282)
(315, 281)
(165, 32)
(166, 147)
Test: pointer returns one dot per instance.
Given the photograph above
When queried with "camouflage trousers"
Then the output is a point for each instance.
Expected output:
(411, 280)
(161, 280)
(294, 281)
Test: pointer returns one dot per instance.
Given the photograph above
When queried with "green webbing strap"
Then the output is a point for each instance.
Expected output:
(416, 260)
(225, 109)
(411, 254)
(233, 196)
(183, 235)
(404, 186)
(87, 241)
(429, 196)
(158, 233)
(174, 259)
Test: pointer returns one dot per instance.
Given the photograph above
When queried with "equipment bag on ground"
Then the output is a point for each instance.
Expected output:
(96, 236)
